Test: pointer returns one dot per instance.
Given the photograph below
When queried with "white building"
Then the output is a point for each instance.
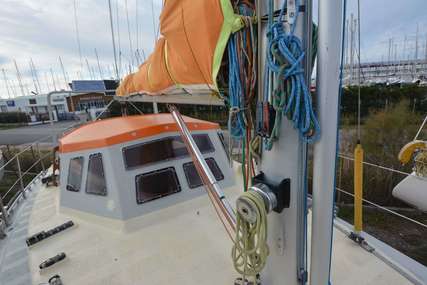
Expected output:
(36, 106)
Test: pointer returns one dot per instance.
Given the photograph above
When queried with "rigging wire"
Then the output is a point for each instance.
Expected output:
(421, 128)
(76, 23)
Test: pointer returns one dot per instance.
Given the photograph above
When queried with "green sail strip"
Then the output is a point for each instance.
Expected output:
(231, 24)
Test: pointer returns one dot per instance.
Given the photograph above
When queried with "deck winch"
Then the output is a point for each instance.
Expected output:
(247, 210)
(250, 250)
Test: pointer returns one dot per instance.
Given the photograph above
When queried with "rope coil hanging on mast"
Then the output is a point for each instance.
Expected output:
(291, 96)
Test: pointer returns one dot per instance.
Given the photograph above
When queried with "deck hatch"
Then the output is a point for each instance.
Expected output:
(75, 172)
(95, 183)
(156, 184)
(163, 149)
(193, 178)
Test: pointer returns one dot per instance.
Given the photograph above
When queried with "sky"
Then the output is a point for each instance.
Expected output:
(44, 30)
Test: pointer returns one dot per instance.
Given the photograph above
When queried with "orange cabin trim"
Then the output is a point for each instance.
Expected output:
(124, 129)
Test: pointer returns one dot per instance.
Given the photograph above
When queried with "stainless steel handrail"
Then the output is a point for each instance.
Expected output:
(6, 209)
(218, 199)
(34, 143)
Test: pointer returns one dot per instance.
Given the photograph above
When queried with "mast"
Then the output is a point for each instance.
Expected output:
(286, 231)
(325, 151)
(99, 65)
(137, 24)
(18, 75)
(351, 48)
(118, 39)
(154, 23)
(113, 39)
(64, 74)
(416, 43)
(78, 35)
(390, 44)
(6, 83)
(425, 56)
(46, 78)
(33, 77)
(53, 79)
(129, 34)
(89, 69)
(35, 74)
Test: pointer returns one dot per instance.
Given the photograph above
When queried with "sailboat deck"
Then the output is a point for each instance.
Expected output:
(182, 244)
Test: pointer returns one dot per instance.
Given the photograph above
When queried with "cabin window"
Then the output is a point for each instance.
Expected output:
(95, 183)
(75, 172)
(163, 149)
(156, 184)
(193, 177)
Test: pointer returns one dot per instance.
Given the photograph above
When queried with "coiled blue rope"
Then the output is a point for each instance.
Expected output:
(239, 88)
(236, 124)
(291, 96)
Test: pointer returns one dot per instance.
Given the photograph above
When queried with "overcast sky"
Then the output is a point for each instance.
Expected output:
(44, 30)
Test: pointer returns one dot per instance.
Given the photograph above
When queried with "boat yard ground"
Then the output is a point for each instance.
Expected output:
(28, 134)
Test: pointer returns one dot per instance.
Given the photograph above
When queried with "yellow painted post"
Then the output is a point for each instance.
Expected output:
(358, 188)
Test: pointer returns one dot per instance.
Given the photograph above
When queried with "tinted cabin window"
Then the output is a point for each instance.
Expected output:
(75, 172)
(193, 177)
(95, 183)
(163, 149)
(156, 184)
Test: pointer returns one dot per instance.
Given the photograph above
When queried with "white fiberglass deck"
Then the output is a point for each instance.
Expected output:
(182, 244)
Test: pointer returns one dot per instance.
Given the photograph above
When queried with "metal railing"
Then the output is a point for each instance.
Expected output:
(343, 156)
(220, 203)
(375, 205)
(18, 188)
(385, 209)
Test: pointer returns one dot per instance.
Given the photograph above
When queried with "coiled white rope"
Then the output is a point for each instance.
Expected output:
(250, 250)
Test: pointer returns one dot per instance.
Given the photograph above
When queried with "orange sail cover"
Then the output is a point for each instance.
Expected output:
(188, 55)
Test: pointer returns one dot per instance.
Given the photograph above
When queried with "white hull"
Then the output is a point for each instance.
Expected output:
(412, 190)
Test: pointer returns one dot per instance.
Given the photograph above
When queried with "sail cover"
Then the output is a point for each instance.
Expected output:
(188, 54)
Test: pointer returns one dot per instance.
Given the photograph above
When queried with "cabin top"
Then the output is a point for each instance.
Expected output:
(123, 129)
